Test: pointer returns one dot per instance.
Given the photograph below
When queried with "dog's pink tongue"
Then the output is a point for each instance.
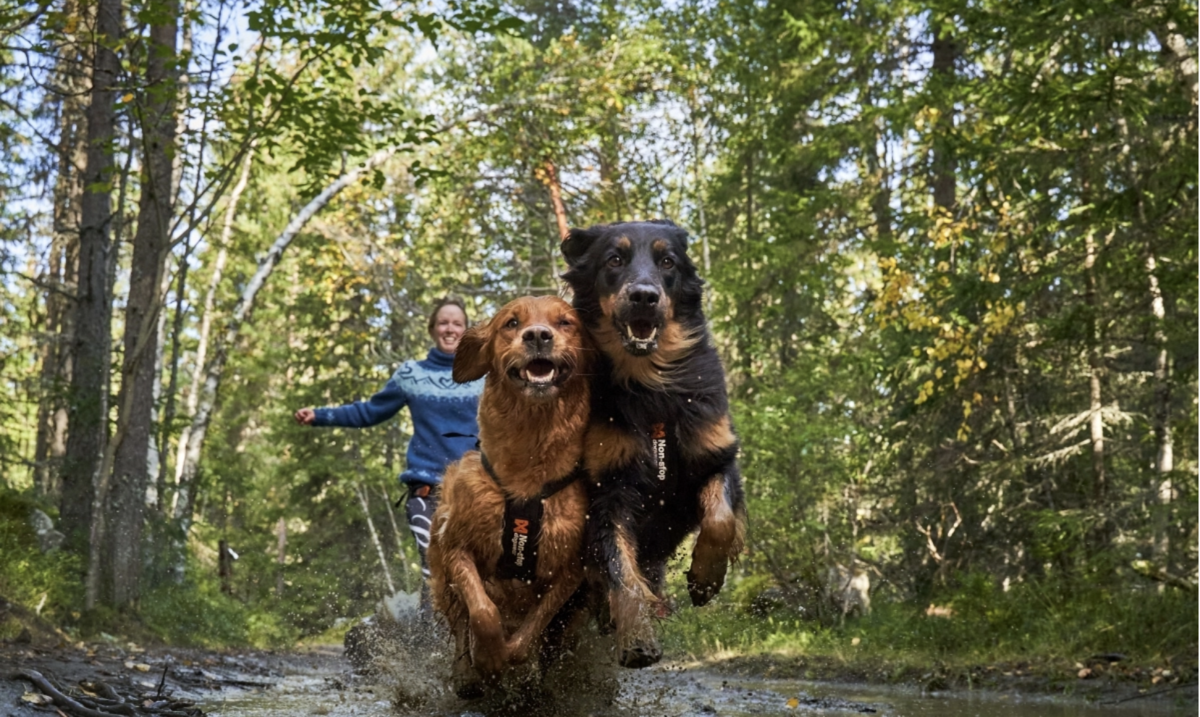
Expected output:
(539, 369)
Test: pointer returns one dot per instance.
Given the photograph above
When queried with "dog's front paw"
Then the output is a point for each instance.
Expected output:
(641, 654)
(490, 664)
(465, 679)
(702, 591)
(469, 689)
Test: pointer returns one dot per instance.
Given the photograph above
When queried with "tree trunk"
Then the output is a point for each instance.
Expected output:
(206, 319)
(153, 456)
(1175, 43)
(213, 372)
(1096, 404)
(168, 417)
(560, 210)
(387, 502)
(225, 566)
(121, 559)
(1164, 462)
(88, 399)
(56, 349)
(698, 189)
(945, 165)
(361, 492)
(280, 554)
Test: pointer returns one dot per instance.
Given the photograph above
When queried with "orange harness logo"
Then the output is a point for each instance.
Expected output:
(519, 540)
(658, 444)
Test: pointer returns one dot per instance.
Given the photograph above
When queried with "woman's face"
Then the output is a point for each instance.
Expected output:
(448, 328)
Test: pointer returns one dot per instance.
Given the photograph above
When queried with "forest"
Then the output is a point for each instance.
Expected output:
(950, 261)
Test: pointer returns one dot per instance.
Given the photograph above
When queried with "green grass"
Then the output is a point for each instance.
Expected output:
(198, 614)
(51, 586)
(47, 584)
(1031, 622)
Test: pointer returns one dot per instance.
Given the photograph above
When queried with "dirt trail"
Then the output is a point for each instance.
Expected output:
(318, 681)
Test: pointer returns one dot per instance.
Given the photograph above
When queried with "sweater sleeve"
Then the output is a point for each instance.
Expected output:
(361, 414)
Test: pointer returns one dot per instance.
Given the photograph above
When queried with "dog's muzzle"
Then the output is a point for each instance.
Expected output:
(639, 319)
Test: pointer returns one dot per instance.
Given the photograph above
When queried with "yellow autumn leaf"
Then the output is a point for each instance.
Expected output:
(793, 703)
(35, 698)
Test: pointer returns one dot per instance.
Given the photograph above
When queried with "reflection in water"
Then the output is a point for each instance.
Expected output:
(673, 692)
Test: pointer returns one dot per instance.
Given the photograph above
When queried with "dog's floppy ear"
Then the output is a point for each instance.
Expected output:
(577, 243)
(473, 357)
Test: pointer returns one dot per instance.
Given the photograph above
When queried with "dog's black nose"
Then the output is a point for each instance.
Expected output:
(644, 294)
(538, 337)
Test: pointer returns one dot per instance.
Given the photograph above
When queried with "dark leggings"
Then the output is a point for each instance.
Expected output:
(418, 509)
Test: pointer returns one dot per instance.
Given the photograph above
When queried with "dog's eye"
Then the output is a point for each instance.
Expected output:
(667, 262)
(512, 323)
(615, 261)
(564, 322)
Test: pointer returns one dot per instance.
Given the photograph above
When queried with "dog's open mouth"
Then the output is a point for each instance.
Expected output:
(540, 373)
(639, 336)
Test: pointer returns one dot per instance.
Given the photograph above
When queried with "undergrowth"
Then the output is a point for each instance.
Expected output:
(199, 614)
(47, 584)
(1030, 622)
(50, 585)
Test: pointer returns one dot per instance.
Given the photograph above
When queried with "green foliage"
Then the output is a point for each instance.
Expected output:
(199, 614)
(47, 583)
(1045, 620)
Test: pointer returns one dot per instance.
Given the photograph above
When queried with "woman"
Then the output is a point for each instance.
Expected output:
(443, 416)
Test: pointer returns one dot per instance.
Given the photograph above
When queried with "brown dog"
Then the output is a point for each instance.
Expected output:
(506, 550)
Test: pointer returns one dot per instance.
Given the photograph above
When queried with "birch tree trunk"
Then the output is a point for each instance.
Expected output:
(1164, 461)
(387, 502)
(88, 399)
(206, 317)
(216, 367)
(361, 492)
(202, 347)
(1096, 403)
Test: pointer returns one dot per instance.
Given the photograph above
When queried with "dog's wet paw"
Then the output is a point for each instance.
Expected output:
(465, 679)
(469, 689)
(640, 655)
(702, 591)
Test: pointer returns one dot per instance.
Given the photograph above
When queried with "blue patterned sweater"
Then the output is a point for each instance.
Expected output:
(438, 406)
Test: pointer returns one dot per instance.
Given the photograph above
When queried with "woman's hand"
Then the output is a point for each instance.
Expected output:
(305, 416)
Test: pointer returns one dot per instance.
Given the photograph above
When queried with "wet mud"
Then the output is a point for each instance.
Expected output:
(408, 678)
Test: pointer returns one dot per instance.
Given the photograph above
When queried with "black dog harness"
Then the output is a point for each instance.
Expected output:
(523, 525)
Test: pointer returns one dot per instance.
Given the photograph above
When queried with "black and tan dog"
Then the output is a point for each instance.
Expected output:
(506, 548)
(661, 453)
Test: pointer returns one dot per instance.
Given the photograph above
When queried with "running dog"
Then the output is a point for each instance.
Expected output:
(661, 452)
(506, 549)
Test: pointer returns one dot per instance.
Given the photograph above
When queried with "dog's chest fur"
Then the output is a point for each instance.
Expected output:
(559, 547)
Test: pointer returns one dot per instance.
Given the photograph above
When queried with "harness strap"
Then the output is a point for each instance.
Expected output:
(548, 489)
(522, 533)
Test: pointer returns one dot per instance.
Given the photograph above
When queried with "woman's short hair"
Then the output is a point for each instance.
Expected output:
(442, 303)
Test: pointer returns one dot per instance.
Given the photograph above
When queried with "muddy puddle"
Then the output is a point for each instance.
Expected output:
(668, 691)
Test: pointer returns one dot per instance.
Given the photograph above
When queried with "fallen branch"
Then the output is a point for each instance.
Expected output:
(59, 698)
